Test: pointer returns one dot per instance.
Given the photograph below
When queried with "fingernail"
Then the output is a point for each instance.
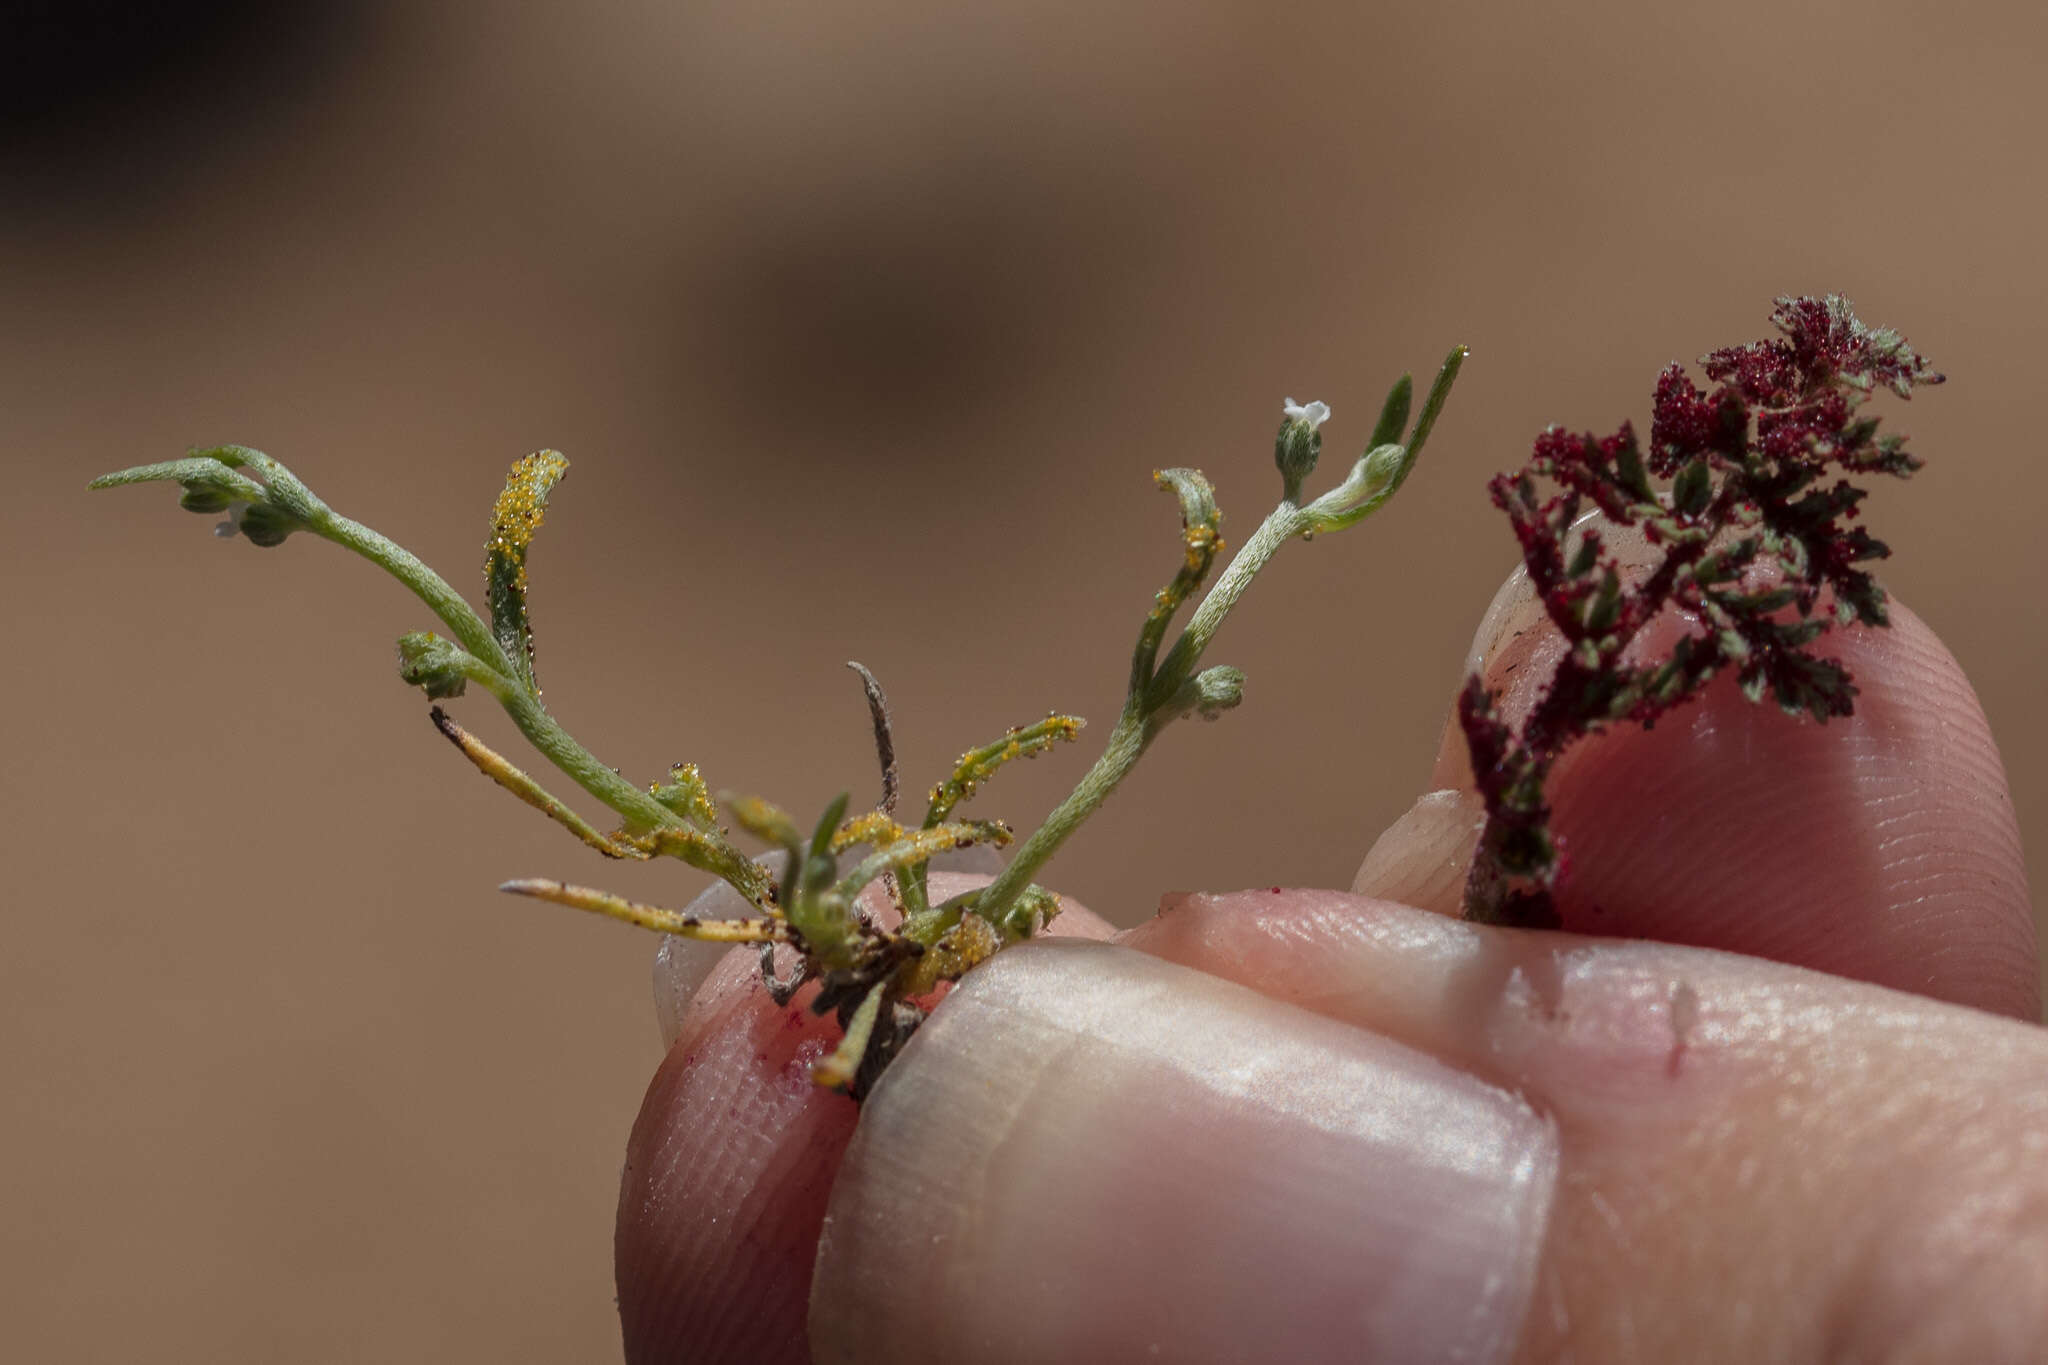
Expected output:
(1422, 858)
(1089, 1153)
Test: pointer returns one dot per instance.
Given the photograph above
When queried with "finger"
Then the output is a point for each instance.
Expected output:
(729, 1165)
(726, 1176)
(1096, 1155)
(1138, 1160)
(1881, 846)
(1757, 1162)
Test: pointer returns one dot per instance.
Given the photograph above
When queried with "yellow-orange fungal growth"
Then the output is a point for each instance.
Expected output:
(520, 509)
(874, 828)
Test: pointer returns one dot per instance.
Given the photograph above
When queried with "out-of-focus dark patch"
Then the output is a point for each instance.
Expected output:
(105, 100)
(876, 307)
(911, 298)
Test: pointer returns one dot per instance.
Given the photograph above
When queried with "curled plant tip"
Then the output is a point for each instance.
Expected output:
(875, 979)
(1749, 533)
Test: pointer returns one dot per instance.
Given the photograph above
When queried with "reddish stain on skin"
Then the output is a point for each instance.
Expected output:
(688, 1274)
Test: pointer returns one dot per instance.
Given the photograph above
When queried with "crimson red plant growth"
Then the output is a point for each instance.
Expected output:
(1755, 550)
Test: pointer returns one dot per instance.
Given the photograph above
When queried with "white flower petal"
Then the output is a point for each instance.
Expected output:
(1315, 414)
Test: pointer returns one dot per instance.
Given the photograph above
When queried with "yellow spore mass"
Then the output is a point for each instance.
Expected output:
(520, 509)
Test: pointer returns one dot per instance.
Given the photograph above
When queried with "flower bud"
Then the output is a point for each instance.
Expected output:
(1384, 465)
(428, 661)
(1211, 692)
(266, 525)
(1299, 443)
(205, 498)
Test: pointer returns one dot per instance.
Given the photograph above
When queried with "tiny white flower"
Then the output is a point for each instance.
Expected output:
(226, 529)
(1315, 414)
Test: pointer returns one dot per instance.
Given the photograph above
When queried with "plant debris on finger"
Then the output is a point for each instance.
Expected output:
(1755, 541)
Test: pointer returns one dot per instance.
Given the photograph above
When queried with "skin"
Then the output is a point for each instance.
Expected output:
(1785, 1060)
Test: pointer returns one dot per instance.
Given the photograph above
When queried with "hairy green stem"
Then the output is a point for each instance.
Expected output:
(1156, 701)
(1147, 711)
(641, 811)
(1126, 743)
(1280, 526)
(409, 569)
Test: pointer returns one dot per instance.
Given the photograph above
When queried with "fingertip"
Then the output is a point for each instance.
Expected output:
(1422, 859)
(1847, 1161)
(1881, 846)
(727, 1172)
(732, 1157)
(1091, 1153)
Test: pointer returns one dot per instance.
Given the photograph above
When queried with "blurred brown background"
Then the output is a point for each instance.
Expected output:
(818, 297)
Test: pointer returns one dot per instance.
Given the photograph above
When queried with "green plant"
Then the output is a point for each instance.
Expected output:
(877, 978)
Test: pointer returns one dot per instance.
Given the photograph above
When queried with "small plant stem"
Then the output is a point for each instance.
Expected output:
(1146, 713)
(1280, 526)
(432, 589)
(641, 811)
(1126, 743)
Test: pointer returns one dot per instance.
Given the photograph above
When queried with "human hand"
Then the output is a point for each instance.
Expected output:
(1316, 1125)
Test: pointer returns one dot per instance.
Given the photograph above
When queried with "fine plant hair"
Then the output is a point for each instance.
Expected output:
(1756, 549)
(878, 976)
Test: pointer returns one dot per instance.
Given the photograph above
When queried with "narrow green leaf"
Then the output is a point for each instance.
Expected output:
(1692, 489)
(1586, 557)
(1393, 413)
(197, 471)
(1433, 405)
(820, 866)
(1628, 468)
(1605, 607)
